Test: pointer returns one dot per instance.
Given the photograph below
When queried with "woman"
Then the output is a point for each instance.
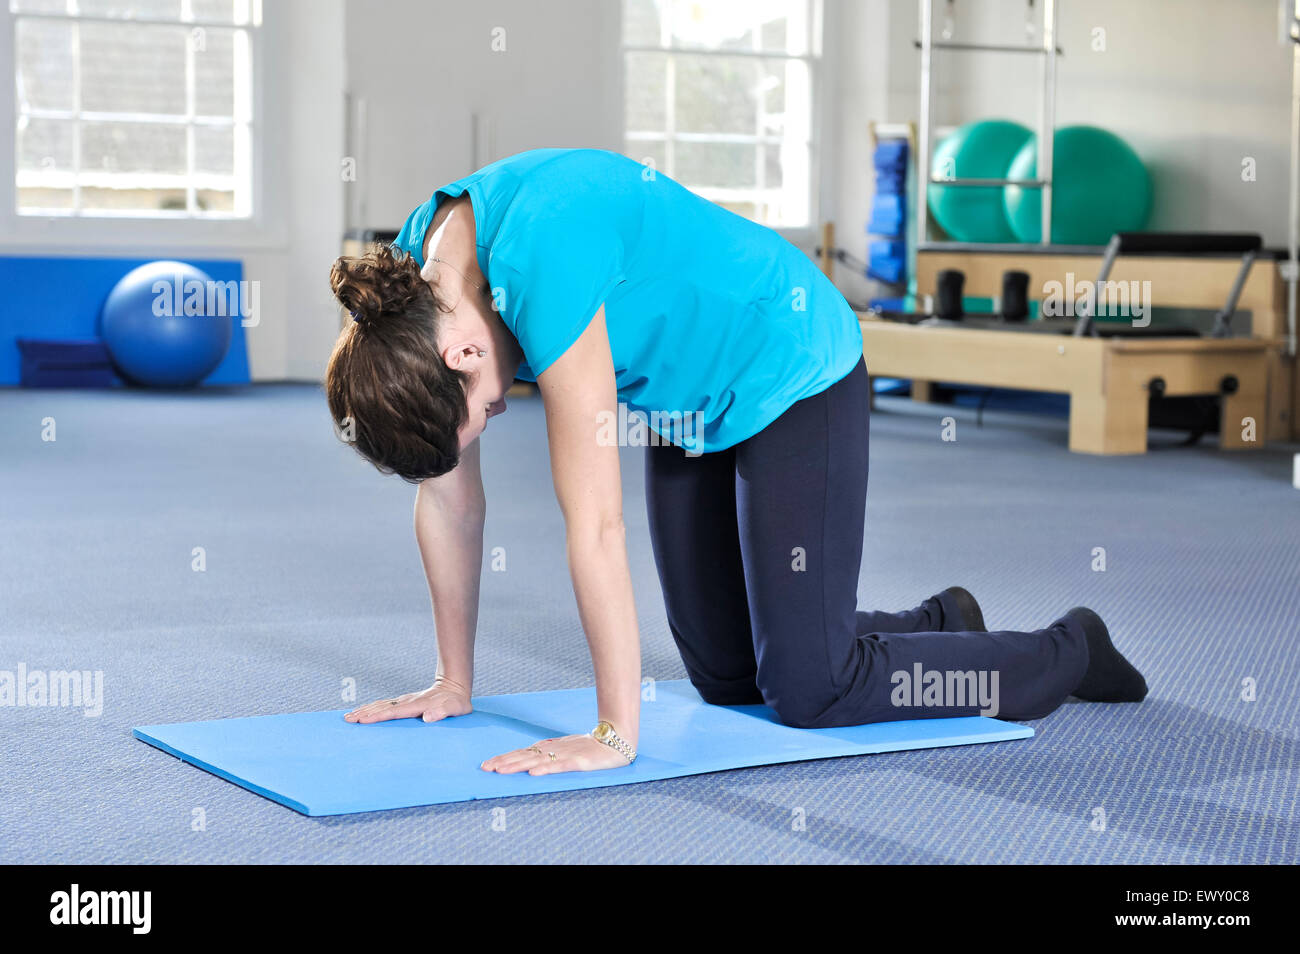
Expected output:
(606, 282)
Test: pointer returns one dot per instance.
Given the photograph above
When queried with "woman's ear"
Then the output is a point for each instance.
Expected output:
(452, 356)
(460, 356)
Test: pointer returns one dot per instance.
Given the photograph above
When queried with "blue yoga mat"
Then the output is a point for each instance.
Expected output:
(317, 764)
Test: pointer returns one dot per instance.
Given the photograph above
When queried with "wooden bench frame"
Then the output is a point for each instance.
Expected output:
(1107, 378)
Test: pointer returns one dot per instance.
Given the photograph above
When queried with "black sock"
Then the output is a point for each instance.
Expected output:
(1110, 677)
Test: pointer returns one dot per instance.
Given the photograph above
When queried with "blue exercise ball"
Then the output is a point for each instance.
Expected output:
(166, 325)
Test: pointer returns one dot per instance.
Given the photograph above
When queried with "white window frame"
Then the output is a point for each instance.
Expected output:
(34, 233)
(816, 59)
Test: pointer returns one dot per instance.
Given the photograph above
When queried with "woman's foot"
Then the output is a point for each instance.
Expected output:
(961, 613)
(1110, 677)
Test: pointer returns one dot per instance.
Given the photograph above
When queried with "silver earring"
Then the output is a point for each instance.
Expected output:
(482, 354)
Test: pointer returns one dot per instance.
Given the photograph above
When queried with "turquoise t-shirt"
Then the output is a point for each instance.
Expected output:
(716, 324)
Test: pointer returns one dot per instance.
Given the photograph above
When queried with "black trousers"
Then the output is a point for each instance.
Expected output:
(758, 549)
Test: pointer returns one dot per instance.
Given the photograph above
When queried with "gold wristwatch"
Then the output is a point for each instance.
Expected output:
(604, 734)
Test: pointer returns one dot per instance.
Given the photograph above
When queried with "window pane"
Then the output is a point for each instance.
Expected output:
(787, 99)
(135, 150)
(214, 72)
(44, 64)
(132, 68)
(715, 165)
(45, 145)
(215, 200)
(717, 94)
(643, 22)
(648, 154)
(215, 11)
(772, 170)
(784, 26)
(152, 9)
(38, 198)
(748, 209)
(214, 150)
(45, 164)
(715, 25)
(39, 6)
(740, 125)
(142, 198)
(772, 84)
(780, 26)
(644, 92)
(774, 34)
(133, 147)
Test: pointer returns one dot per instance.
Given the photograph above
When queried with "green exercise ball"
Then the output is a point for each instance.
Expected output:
(1099, 187)
(979, 150)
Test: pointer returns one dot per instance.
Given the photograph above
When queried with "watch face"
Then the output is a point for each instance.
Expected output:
(603, 730)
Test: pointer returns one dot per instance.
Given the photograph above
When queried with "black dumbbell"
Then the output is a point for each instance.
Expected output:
(1015, 296)
(948, 294)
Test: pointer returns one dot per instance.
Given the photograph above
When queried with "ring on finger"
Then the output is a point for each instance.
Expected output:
(551, 755)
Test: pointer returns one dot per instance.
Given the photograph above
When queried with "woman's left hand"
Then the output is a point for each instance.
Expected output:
(572, 753)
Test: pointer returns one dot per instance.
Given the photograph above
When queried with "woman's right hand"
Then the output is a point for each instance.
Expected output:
(439, 701)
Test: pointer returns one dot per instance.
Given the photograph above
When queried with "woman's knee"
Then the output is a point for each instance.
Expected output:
(723, 694)
(798, 706)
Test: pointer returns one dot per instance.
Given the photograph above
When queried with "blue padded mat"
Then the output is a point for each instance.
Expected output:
(318, 764)
(61, 297)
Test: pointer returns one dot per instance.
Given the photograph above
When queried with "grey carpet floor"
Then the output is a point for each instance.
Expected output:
(312, 580)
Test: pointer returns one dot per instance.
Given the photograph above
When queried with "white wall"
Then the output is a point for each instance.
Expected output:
(303, 147)
(316, 71)
(420, 71)
(1193, 85)
(868, 44)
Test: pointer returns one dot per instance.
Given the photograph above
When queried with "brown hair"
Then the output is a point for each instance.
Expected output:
(386, 373)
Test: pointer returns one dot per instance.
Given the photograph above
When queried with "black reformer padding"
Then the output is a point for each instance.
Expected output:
(1188, 243)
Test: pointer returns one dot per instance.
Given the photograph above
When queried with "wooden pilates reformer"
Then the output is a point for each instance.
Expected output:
(1110, 377)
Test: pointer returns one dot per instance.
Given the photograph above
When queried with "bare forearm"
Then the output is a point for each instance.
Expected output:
(451, 549)
(602, 584)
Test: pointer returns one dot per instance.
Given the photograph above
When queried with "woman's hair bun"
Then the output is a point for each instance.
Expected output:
(381, 282)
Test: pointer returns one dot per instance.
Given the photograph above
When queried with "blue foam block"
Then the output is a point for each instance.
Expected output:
(318, 764)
